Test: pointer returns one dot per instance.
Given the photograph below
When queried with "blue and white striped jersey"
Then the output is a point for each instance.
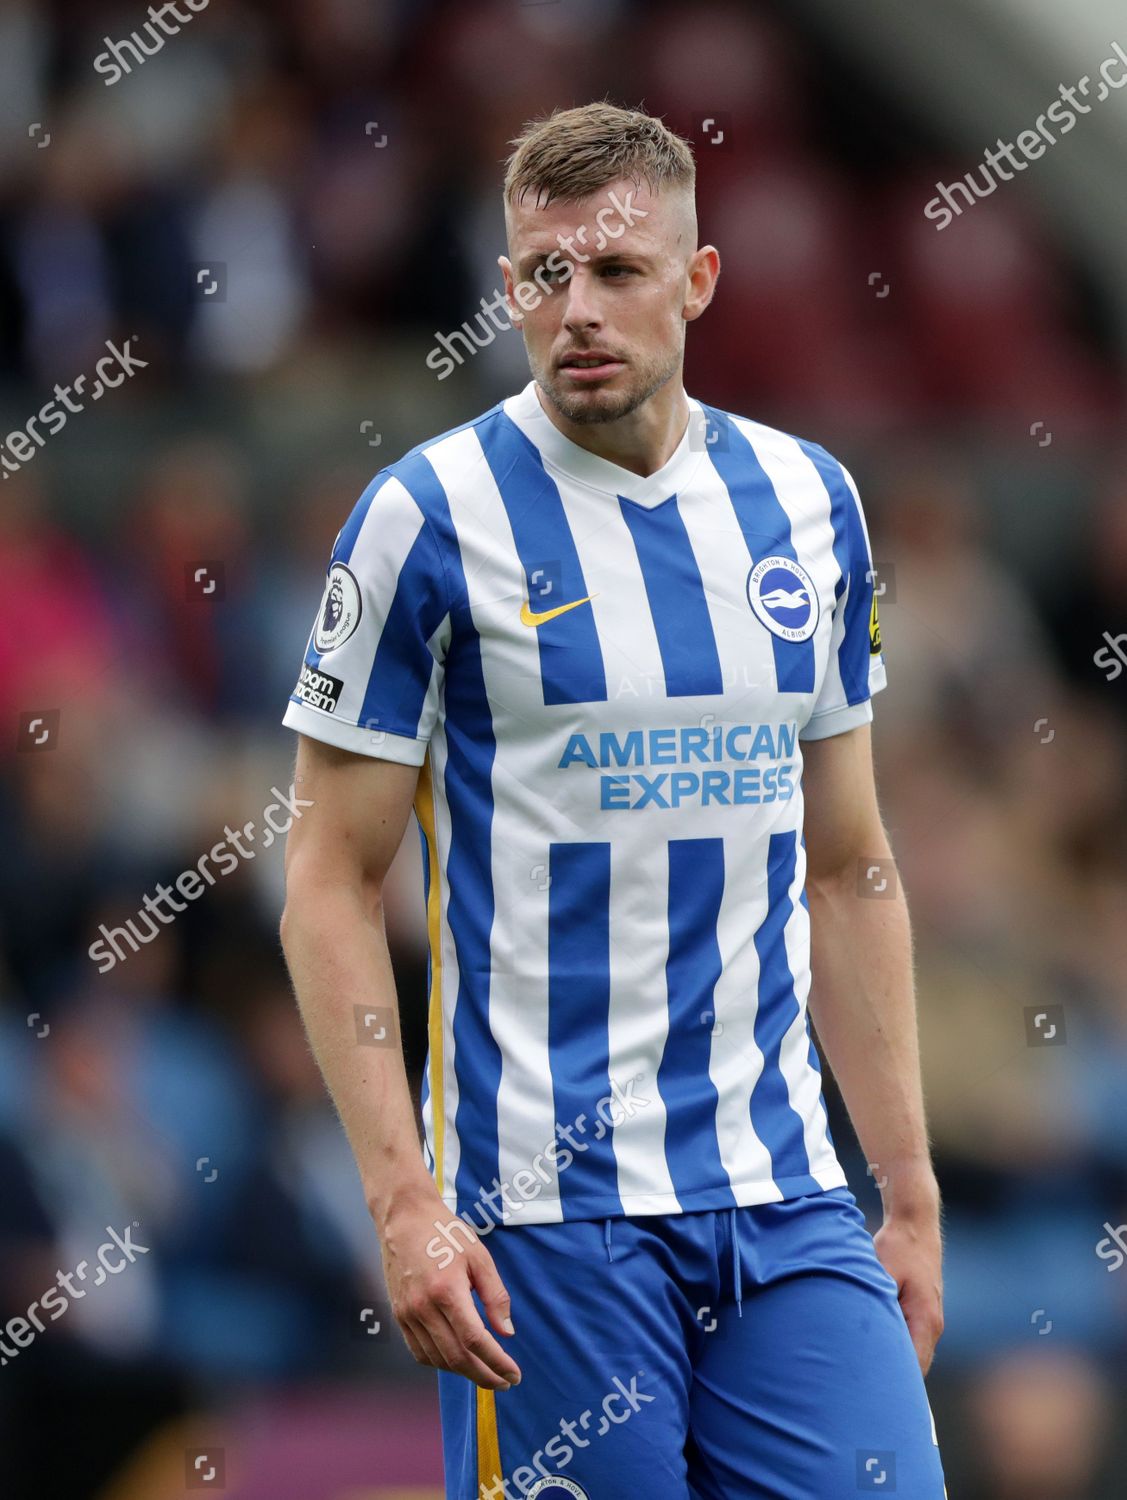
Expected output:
(606, 680)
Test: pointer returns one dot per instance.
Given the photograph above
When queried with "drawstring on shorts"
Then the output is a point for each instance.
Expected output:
(736, 1271)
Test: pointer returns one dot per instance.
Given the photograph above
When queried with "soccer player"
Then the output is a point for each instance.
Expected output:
(617, 648)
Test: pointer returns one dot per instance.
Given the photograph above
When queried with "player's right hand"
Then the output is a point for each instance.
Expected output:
(431, 1293)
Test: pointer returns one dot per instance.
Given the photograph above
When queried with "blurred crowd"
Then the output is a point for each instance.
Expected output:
(340, 164)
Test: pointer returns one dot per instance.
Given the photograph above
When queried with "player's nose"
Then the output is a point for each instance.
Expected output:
(581, 309)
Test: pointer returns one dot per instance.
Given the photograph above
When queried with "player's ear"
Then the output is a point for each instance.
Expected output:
(516, 313)
(703, 273)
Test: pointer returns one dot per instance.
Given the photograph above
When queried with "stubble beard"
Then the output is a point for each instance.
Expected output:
(586, 407)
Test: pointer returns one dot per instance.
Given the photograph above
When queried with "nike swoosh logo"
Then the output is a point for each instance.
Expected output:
(530, 617)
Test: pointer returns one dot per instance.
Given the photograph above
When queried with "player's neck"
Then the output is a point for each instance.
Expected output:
(642, 442)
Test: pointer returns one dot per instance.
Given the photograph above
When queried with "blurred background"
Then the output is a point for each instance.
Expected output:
(280, 209)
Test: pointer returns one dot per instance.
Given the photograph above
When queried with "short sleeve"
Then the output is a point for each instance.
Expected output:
(855, 667)
(372, 677)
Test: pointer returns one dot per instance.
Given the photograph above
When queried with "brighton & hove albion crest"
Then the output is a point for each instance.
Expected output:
(783, 596)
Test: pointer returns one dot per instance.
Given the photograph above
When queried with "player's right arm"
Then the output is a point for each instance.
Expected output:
(337, 857)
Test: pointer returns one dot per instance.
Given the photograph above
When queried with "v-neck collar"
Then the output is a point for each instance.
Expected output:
(558, 451)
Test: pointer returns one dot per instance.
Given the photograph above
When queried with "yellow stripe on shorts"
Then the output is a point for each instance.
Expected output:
(488, 1449)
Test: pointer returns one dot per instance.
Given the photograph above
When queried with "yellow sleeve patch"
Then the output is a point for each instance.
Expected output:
(874, 629)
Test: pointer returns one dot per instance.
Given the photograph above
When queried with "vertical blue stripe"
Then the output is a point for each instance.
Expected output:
(471, 749)
(812, 1051)
(424, 1091)
(403, 665)
(425, 854)
(816, 1065)
(776, 1123)
(349, 532)
(766, 530)
(696, 888)
(675, 592)
(346, 542)
(346, 538)
(425, 848)
(579, 1012)
(571, 659)
(852, 554)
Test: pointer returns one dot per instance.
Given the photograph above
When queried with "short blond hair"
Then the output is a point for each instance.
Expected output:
(574, 152)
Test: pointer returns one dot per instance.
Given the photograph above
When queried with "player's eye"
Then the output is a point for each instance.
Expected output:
(619, 273)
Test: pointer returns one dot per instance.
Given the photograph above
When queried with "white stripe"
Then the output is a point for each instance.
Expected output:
(804, 1086)
(803, 496)
(620, 606)
(451, 1146)
(853, 490)
(518, 996)
(747, 660)
(437, 645)
(387, 534)
(735, 1063)
(802, 493)
(639, 1003)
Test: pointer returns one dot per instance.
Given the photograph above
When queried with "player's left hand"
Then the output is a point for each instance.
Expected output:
(911, 1251)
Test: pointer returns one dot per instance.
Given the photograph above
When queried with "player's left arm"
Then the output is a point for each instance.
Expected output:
(862, 1003)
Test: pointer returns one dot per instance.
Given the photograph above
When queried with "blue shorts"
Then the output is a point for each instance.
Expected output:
(750, 1352)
